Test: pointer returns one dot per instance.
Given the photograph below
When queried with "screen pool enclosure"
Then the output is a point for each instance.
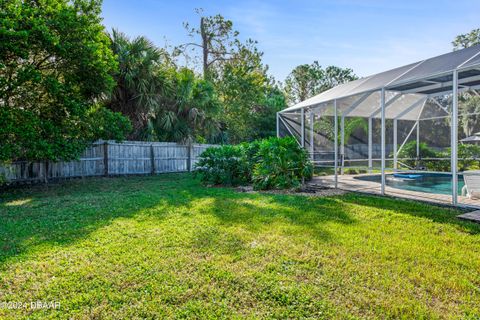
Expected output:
(413, 125)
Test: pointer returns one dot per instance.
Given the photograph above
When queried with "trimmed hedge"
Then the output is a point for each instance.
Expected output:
(274, 163)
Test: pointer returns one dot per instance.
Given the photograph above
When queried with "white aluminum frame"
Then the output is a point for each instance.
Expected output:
(339, 149)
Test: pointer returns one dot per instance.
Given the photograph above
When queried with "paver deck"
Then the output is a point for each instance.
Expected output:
(348, 182)
(473, 216)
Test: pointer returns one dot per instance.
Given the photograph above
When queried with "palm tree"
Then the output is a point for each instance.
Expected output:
(189, 111)
(139, 82)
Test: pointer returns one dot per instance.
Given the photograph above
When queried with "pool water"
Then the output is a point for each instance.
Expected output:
(428, 182)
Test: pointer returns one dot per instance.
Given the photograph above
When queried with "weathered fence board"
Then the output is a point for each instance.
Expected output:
(111, 158)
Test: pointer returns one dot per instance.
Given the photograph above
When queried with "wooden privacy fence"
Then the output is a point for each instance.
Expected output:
(104, 158)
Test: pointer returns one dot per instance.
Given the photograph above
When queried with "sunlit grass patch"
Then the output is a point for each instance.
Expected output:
(19, 202)
(166, 247)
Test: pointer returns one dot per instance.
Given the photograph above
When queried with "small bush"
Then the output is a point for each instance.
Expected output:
(354, 171)
(223, 165)
(468, 157)
(282, 164)
(410, 151)
(275, 163)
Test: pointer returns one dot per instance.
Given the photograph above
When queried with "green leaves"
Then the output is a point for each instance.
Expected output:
(282, 164)
(307, 80)
(224, 165)
(275, 163)
(163, 102)
(55, 64)
(188, 111)
(466, 40)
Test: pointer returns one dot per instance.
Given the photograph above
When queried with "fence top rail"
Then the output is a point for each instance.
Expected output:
(152, 143)
(129, 157)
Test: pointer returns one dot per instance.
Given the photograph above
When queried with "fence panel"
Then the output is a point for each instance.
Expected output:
(197, 150)
(111, 158)
(170, 157)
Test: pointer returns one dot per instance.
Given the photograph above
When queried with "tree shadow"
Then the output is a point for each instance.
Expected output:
(254, 212)
(66, 212)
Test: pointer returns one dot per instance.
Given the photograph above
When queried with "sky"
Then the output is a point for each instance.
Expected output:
(365, 35)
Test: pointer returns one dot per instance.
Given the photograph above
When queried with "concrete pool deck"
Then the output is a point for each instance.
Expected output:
(473, 216)
(349, 183)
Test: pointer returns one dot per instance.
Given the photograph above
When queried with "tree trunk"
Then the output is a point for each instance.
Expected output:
(204, 36)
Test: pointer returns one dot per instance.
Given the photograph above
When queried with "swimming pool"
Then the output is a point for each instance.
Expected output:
(428, 182)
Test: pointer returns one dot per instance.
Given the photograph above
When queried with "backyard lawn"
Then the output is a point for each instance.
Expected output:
(164, 246)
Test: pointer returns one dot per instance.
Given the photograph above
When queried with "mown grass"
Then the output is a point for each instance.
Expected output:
(166, 247)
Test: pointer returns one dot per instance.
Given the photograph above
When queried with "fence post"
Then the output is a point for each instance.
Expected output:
(152, 158)
(105, 158)
(45, 173)
(189, 156)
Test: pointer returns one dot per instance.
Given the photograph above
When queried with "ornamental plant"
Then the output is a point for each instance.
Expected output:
(275, 163)
(282, 164)
(223, 165)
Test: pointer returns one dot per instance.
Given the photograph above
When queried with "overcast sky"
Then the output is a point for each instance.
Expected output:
(365, 35)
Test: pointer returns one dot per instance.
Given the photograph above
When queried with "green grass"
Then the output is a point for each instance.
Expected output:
(166, 247)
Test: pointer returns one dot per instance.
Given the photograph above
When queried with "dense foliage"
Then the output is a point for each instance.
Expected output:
(224, 165)
(138, 81)
(274, 163)
(233, 101)
(307, 80)
(55, 62)
(468, 157)
(408, 154)
(282, 164)
(189, 110)
(249, 97)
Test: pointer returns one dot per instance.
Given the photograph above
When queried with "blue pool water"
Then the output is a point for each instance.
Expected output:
(428, 182)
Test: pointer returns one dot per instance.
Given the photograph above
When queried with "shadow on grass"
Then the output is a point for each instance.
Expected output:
(67, 212)
(259, 211)
(64, 213)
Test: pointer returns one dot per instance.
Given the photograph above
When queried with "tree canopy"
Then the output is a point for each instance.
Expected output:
(469, 105)
(139, 81)
(466, 40)
(249, 97)
(55, 63)
(308, 80)
(189, 111)
(65, 81)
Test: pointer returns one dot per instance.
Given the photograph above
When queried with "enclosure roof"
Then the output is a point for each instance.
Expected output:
(417, 80)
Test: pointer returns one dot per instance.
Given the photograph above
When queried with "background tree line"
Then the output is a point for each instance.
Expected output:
(65, 81)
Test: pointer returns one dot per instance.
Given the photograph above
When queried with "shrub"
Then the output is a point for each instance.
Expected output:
(273, 163)
(409, 150)
(282, 164)
(354, 171)
(223, 165)
(250, 157)
(468, 157)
